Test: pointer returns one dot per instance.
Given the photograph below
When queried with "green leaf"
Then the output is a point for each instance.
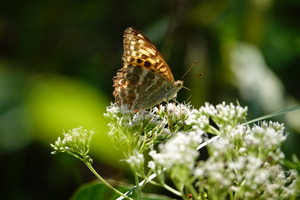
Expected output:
(155, 197)
(273, 114)
(96, 190)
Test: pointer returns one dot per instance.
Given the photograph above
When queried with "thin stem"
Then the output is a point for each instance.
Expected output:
(207, 142)
(138, 188)
(231, 195)
(194, 192)
(172, 190)
(214, 131)
(147, 178)
(103, 181)
(75, 155)
(180, 189)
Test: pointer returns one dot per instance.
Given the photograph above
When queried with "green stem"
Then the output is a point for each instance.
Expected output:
(231, 195)
(104, 182)
(138, 189)
(162, 184)
(214, 131)
(172, 190)
(194, 192)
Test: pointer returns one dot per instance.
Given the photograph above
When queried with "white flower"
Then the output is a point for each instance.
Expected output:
(223, 113)
(198, 171)
(179, 150)
(151, 165)
(136, 160)
(221, 144)
(238, 164)
(76, 141)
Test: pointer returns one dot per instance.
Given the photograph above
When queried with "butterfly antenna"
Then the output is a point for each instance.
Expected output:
(192, 77)
(189, 69)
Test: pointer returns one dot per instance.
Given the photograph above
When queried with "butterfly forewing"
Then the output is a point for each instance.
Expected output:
(145, 79)
(139, 50)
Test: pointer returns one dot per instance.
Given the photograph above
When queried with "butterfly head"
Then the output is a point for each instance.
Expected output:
(174, 90)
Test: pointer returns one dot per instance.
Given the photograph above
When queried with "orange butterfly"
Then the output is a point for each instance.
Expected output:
(145, 79)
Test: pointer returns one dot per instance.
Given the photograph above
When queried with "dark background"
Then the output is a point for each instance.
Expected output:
(57, 60)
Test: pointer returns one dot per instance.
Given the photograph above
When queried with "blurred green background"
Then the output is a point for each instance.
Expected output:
(58, 58)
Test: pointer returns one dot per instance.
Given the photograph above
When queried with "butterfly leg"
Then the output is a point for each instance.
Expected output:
(168, 117)
(158, 109)
(190, 91)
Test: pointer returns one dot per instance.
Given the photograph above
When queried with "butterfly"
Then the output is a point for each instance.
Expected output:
(145, 79)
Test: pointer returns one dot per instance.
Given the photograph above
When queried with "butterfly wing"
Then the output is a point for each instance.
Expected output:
(140, 51)
(145, 79)
(140, 88)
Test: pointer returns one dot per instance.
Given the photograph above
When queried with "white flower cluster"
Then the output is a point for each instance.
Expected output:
(76, 142)
(136, 162)
(178, 155)
(179, 150)
(222, 114)
(176, 115)
(135, 132)
(246, 163)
